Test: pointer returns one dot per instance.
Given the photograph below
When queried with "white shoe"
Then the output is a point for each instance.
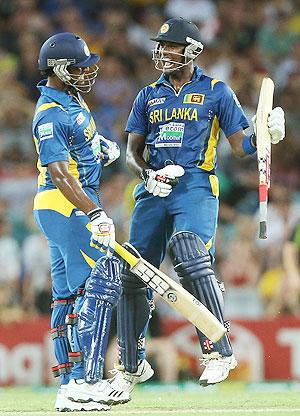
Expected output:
(100, 392)
(125, 381)
(216, 368)
(64, 404)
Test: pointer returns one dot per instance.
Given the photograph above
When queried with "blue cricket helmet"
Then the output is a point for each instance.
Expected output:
(66, 46)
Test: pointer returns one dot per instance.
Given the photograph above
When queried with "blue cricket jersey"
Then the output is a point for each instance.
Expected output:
(64, 130)
(184, 126)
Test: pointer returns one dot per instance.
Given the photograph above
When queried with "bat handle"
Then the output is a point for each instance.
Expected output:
(263, 230)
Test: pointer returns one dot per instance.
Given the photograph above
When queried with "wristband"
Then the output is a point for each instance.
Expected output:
(249, 144)
(95, 213)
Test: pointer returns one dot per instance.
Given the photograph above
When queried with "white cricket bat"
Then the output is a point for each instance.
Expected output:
(175, 295)
(265, 105)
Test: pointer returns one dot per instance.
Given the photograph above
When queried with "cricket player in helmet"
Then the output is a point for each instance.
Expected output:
(173, 136)
(85, 274)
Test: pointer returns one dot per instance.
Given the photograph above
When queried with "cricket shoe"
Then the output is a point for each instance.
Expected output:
(125, 381)
(216, 369)
(100, 392)
(64, 404)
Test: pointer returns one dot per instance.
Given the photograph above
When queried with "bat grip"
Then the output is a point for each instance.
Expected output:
(263, 230)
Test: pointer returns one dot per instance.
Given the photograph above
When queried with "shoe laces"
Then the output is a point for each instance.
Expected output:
(210, 359)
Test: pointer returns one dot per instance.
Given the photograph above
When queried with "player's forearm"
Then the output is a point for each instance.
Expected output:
(70, 188)
(134, 154)
(136, 163)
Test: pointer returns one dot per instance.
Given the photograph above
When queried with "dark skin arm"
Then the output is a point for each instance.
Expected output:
(134, 153)
(136, 146)
(70, 187)
(236, 143)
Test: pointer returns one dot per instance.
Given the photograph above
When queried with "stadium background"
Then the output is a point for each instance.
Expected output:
(244, 40)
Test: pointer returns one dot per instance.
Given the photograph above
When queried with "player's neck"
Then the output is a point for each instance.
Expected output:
(181, 77)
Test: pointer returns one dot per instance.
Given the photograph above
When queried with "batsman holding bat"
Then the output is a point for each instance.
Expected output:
(71, 154)
(173, 131)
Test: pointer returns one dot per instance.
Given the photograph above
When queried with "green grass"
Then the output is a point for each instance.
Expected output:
(231, 398)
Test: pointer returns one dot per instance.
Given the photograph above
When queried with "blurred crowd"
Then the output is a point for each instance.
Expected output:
(244, 41)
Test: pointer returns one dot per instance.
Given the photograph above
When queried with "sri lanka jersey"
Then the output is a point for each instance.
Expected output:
(64, 130)
(183, 127)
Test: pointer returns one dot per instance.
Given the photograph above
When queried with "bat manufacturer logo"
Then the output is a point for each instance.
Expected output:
(172, 297)
(196, 301)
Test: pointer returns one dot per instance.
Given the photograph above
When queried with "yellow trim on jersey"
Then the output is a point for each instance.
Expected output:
(53, 199)
(210, 153)
(73, 167)
(46, 106)
(214, 183)
(208, 245)
(153, 84)
(213, 83)
(91, 262)
(41, 169)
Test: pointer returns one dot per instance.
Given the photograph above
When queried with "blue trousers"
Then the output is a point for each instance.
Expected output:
(191, 206)
(72, 259)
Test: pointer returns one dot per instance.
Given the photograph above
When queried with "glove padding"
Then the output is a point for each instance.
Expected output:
(110, 150)
(161, 182)
(276, 125)
(103, 231)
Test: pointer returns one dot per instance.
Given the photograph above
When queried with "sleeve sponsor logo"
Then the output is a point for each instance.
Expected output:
(194, 99)
(80, 118)
(45, 131)
(156, 101)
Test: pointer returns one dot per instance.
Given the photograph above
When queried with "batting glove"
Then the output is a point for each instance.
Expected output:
(161, 182)
(276, 125)
(103, 231)
(110, 150)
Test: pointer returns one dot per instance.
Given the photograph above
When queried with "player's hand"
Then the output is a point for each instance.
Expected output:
(276, 125)
(110, 150)
(161, 182)
(103, 231)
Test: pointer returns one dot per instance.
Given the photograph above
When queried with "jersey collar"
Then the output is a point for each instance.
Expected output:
(198, 72)
(58, 96)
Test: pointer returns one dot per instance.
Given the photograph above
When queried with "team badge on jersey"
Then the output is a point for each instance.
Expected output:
(194, 99)
(45, 131)
(170, 135)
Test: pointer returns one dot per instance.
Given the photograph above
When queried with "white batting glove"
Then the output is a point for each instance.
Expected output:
(103, 231)
(110, 150)
(161, 182)
(276, 125)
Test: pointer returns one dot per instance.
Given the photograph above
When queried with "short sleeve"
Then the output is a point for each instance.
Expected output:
(137, 121)
(52, 134)
(231, 115)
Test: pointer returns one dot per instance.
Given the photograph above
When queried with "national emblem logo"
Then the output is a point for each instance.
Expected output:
(165, 27)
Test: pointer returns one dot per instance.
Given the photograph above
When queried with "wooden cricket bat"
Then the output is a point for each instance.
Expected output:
(265, 105)
(175, 295)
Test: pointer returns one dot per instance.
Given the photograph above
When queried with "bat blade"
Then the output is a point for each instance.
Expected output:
(264, 107)
(175, 295)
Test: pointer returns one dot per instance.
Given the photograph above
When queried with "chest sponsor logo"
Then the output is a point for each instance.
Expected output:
(157, 101)
(80, 118)
(45, 131)
(170, 135)
(194, 99)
